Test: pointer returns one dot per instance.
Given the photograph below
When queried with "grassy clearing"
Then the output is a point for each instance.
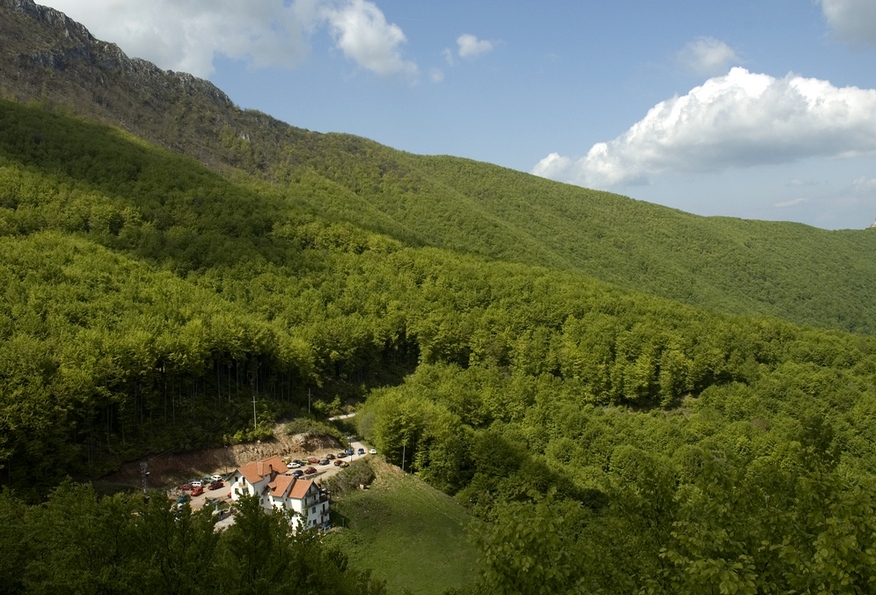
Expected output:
(409, 534)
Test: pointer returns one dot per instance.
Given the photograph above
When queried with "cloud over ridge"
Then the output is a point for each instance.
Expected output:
(188, 35)
(737, 120)
(363, 34)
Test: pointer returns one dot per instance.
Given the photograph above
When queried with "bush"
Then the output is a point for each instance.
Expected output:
(358, 473)
(263, 431)
(311, 427)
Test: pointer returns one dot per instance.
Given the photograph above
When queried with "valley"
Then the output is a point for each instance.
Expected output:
(587, 393)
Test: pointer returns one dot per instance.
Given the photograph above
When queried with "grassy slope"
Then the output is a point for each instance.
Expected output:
(408, 533)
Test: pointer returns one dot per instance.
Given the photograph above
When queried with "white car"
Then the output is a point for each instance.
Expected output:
(196, 484)
(373, 451)
(293, 465)
(215, 477)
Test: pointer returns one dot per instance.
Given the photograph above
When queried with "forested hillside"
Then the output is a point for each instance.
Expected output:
(510, 340)
(79, 542)
(147, 299)
(790, 271)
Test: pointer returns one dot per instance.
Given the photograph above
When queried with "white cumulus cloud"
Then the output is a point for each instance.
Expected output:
(187, 35)
(740, 119)
(851, 21)
(707, 56)
(364, 35)
(470, 46)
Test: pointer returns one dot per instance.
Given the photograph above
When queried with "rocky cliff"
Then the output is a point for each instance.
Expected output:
(45, 56)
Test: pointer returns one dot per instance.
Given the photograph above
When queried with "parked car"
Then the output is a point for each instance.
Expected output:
(216, 485)
(195, 484)
(323, 461)
(330, 456)
(338, 462)
(197, 491)
(293, 465)
(216, 477)
(350, 452)
(361, 451)
(298, 473)
(341, 455)
(309, 471)
(185, 487)
(312, 460)
(182, 499)
(373, 451)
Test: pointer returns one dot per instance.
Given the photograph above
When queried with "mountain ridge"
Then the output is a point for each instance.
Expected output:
(738, 266)
(202, 272)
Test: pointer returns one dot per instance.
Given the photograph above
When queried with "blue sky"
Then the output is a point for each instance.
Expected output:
(756, 109)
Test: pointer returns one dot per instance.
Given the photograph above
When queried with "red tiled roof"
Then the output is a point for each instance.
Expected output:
(257, 470)
(299, 490)
(281, 485)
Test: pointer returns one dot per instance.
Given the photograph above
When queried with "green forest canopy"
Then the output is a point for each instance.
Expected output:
(659, 446)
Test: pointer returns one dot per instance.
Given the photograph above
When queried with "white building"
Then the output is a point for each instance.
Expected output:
(276, 489)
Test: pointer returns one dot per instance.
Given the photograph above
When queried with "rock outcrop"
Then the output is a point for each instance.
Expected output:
(45, 56)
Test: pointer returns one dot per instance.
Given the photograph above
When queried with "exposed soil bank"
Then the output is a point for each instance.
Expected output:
(174, 468)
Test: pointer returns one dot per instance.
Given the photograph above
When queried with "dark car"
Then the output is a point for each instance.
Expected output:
(338, 462)
(330, 456)
(182, 499)
(323, 461)
(350, 451)
(309, 471)
(186, 487)
(341, 455)
(361, 451)
(215, 485)
(298, 473)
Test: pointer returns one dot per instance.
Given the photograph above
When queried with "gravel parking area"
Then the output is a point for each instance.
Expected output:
(223, 494)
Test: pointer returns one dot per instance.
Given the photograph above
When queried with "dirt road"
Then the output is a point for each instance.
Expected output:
(167, 470)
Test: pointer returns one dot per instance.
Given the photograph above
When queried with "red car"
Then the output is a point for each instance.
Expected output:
(309, 471)
(197, 491)
(312, 460)
(216, 485)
